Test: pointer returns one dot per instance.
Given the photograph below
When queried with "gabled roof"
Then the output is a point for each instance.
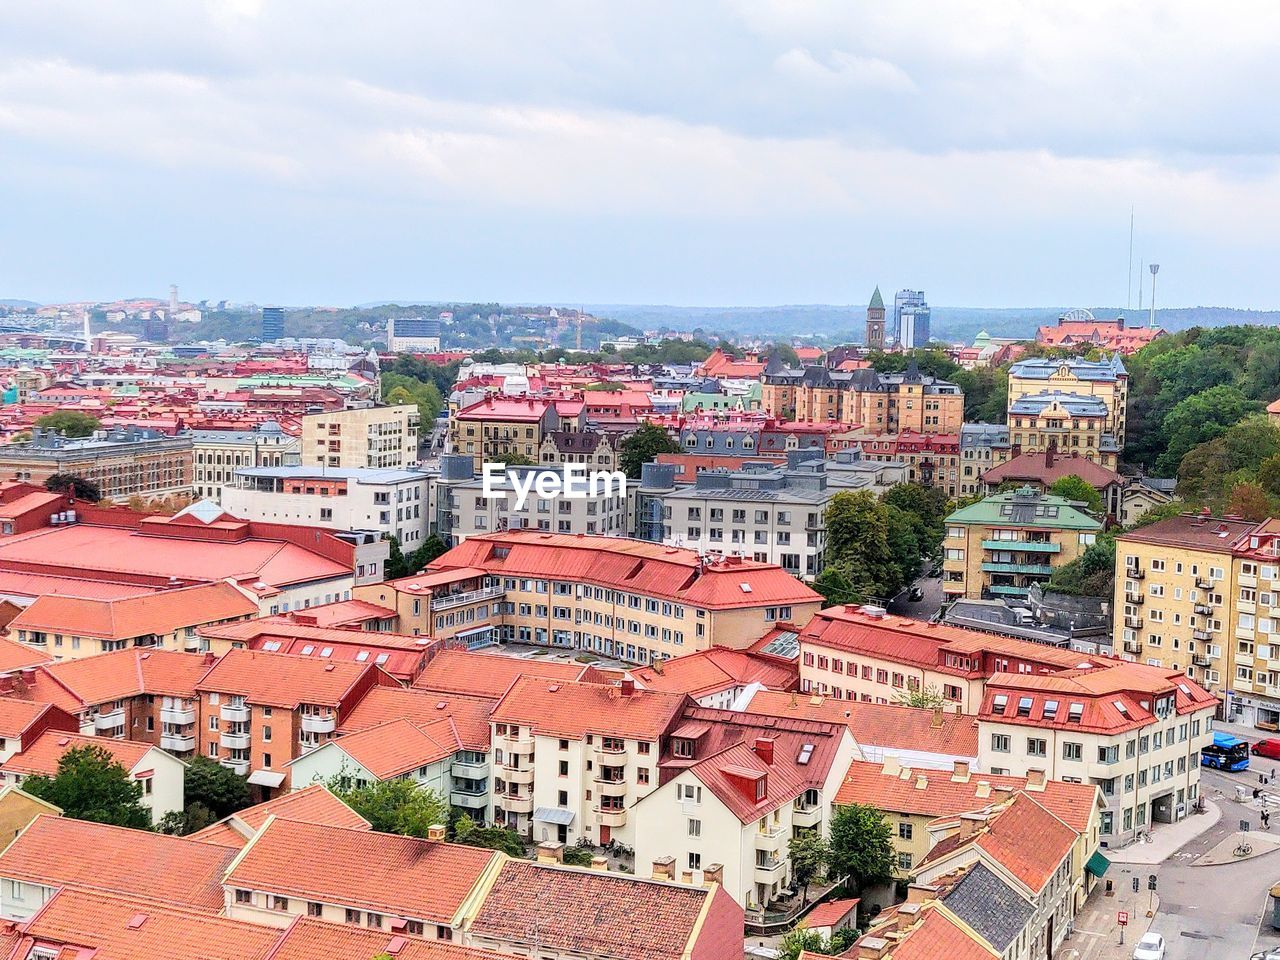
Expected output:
(470, 715)
(416, 879)
(15, 656)
(592, 913)
(717, 668)
(490, 675)
(89, 681)
(125, 618)
(41, 757)
(308, 939)
(57, 851)
(568, 709)
(283, 681)
(313, 804)
(19, 716)
(934, 932)
(399, 746)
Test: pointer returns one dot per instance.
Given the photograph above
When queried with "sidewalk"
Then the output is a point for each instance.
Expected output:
(1096, 935)
(1168, 838)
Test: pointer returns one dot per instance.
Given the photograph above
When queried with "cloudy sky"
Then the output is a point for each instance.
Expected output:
(705, 152)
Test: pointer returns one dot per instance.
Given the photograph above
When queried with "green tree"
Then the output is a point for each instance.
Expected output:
(91, 785)
(431, 548)
(786, 353)
(74, 486)
(195, 817)
(1200, 417)
(800, 940)
(926, 697)
(396, 565)
(1250, 501)
(861, 846)
(576, 856)
(809, 852)
(72, 423)
(643, 447)
(515, 460)
(219, 789)
(1076, 488)
(836, 587)
(858, 545)
(392, 806)
(491, 838)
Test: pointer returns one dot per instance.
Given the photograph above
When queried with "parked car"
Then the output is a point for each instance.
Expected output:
(915, 594)
(1267, 748)
(1150, 947)
(1272, 954)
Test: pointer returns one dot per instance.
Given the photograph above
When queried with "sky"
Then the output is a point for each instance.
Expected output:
(696, 152)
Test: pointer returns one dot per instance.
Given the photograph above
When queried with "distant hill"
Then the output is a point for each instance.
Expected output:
(19, 304)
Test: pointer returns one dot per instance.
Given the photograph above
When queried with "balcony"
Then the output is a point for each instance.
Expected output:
(772, 840)
(319, 722)
(109, 720)
(1245, 581)
(610, 754)
(611, 818)
(516, 804)
(516, 741)
(448, 600)
(467, 770)
(237, 766)
(470, 799)
(1136, 599)
(611, 788)
(769, 871)
(178, 742)
(1203, 583)
(191, 644)
(806, 816)
(234, 741)
(523, 775)
(178, 716)
(1200, 660)
(1133, 623)
(1135, 573)
(1027, 546)
(1006, 590)
(1039, 569)
(1133, 646)
(1202, 634)
(234, 713)
(1203, 609)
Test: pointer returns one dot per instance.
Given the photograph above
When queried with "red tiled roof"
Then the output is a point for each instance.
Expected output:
(404, 876)
(939, 934)
(879, 724)
(310, 939)
(1050, 467)
(17, 716)
(490, 675)
(89, 681)
(398, 746)
(633, 565)
(830, 913)
(590, 913)
(313, 804)
(567, 709)
(42, 756)
(1192, 531)
(15, 656)
(505, 409)
(718, 668)
(55, 851)
(732, 773)
(160, 613)
(380, 705)
(282, 681)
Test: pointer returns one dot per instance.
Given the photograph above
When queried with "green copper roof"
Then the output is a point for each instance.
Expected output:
(1026, 508)
(877, 301)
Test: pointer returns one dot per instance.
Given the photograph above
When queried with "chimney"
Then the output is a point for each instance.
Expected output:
(922, 782)
(921, 893)
(28, 675)
(960, 772)
(764, 750)
(984, 789)
(628, 686)
(908, 913)
(970, 823)
(550, 851)
(600, 862)
(664, 868)
(209, 658)
(436, 831)
(891, 766)
(6, 683)
(936, 721)
(686, 877)
(713, 873)
(1035, 780)
(872, 948)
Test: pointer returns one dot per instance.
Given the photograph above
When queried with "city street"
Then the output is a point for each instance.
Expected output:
(924, 609)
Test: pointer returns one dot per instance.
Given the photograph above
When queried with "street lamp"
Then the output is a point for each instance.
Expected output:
(1155, 268)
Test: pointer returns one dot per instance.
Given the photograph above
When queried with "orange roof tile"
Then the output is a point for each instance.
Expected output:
(830, 913)
(317, 940)
(56, 851)
(382, 704)
(939, 933)
(88, 681)
(113, 927)
(490, 675)
(711, 671)
(591, 913)
(283, 681)
(17, 716)
(15, 656)
(41, 757)
(398, 746)
(161, 613)
(568, 709)
(313, 804)
(411, 878)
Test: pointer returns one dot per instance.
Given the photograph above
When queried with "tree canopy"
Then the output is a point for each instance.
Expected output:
(861, 846)
(74, 486)
(91, 785)
(1072, 487)
(219, 788)
(393, 806)
(72, 423)
(643, 447)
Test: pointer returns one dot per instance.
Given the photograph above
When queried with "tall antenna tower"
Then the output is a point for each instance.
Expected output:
(1154, 268)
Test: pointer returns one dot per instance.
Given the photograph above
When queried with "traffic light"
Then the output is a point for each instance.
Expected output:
(1135, 884)
(1151, 881)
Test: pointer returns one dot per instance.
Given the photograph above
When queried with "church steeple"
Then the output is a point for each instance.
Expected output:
(875, 322)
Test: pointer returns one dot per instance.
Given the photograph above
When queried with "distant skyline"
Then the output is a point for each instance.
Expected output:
(748, 152)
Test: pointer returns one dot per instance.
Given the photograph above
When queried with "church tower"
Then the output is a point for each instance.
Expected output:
(875, 322)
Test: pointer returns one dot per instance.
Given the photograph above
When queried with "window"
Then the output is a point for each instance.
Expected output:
(373, 920)
(1000, 742)
(1072, 751)
(904, 830)
(695, 828)
(244, 896)
(315, 909)
(695, 861)
(1036, 747)
(280, 903)
(352, 916)
(904, 861)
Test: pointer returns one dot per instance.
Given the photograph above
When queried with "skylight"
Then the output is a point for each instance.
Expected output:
(746, 587)
(1050, 709)
(1120, 705)
(806, 751)
(1075, 711)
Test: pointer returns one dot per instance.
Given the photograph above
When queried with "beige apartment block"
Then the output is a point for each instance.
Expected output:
(377, 437)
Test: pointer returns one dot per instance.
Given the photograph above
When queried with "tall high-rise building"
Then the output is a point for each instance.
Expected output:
(875, 322)
(910, 319)
(272, 323)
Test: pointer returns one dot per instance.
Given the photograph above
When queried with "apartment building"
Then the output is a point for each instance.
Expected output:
(389, 502)
(861, 654)
(912, 798)
(1105, 381)
(1134, 731)
(1178, 605)
(931, 459)
(159, 773)
(982, 446)
(1001, 545)
(742, 787)
(596, 449)
(498, 427)
(124, 461)
(1064, 421)
(261, 710)
(570, 759)
(1125, 499)
(624, 598)
(23, 722)
(69, 628)
(374, 438)
(879, 402)
(608, 513)
(718, 677)
(146, 696)
(218, 454)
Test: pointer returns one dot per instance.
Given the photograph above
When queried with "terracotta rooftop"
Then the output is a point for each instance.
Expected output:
(308, 939)
(89, 681)
(380, 705)
(936, 932)
(490, 675)
(162, 612)
(283, 681)
(18, 716)
(15, 656)
(313, 804)
(711, 671)
(399, 746)
(41, 757)
(568, 709)
(1191, 531)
